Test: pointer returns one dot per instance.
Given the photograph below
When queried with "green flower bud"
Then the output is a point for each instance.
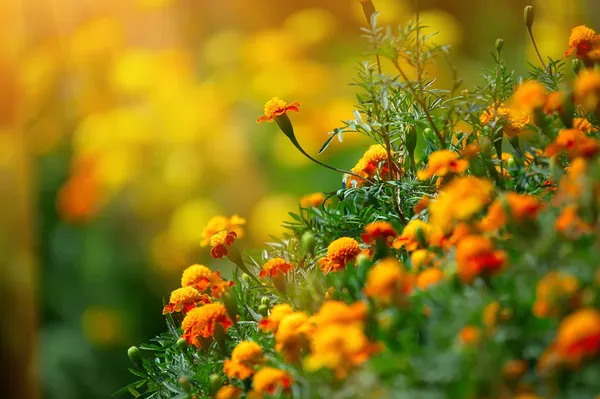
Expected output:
(135, 355)
(528, 16)
(411, 140)
(499, 45)
(309, 242)
(265, 300)
(246, 278)
(263, 310)
(215, 382)
(577, 64)
(231, 305)
(182, 344)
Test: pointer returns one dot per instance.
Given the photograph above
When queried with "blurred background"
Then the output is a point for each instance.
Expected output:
(126, 125)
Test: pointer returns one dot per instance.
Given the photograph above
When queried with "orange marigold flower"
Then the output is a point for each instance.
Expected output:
(276, 107)
(470, 192)
(339, 253)
(378, 230)
(278, 312)
(490, 316)
(201, 322)
(269, 380)
(578, 336)
(275, 266)
(514, 120)
(586, 88)
(529, 96)
(244, 359)
(219, 243)
(429, 277)
(369, 164)
(337, 312)
(574, 182)
(574, 143)
(475, 255)
(581, 41)
(220, 223)
(570, 223)
(514, 369)
(229, 392)
(185, 299)
(415, 234)
(583, 125)
(422, 204)
(421, 259)
(552, 291)
(442, 163)
(78, 199)
(339, 348)
(469, 335)
(554, 102)
(388, 282)
(312, 200)
(292, 335)
(521, 207)
(198, 276)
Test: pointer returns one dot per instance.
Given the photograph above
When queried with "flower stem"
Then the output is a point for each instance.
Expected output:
(536, 47)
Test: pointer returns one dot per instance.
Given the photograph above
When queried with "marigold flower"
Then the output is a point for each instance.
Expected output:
(570, 223)
(529, 96)
(573, 182)
(442, 163)
(312, 200)
(278, 312)
(470, 192)
(581, 41)
(521, 207)
(339, 253)
(185, 299)
(415, 234)
(429, 277)
(292, 335)
(514, 369)
(337, 312)
(275, 266)
(244, 358)
(583, 125)
(219, 243)
(586, 88)
(369, 164)
(220, 223)
(574, 143)
(201, 322)
(276, 107)
(269, 380)
(378, 230)
(490, 316)
(422, 204)
(469, 335)
(198, 276)
(388, 282)
(554, 102)
(514, 120)
(578, 336)
(421, 259)
(552, 291)
(229, 392)
(475, 255)
(339, 348)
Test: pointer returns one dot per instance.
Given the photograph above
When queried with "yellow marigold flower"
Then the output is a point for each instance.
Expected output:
(269, 380)
(470, 192)
(442, 163)
(220, 223)
(292, 335)
(244, 358)
(581, 41)
(388, 282)
(578, 335)
(522, 207)
(469, 335)
(271, 323)
(475, 255)
(421, 259)
(552, 291)
(586, 89)
(312, 200)
(574, 143)
(413, 233)
(429, 277)
(229, 392)
(583, 125)
(198, 276)
(219, 243)
(201, 322)
(514, 120)
(339, 348)
(378, 231)
(185, 299)
(339, 253)
(570, 223)
(275, 266)
(554, 102)
(276, 107)
(337, 312)
(529, 96)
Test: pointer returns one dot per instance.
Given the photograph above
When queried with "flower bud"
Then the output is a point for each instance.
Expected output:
(528, 16)
(499, 45)
(135, 355)
(246, 279)
(231, 305)
(362, 260)
(182, 344)
(309, 241)
(263, 310)
(577, 64)
(215, 382)
(265, 300)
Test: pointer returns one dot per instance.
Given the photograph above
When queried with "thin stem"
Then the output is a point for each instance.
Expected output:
(536, 47)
